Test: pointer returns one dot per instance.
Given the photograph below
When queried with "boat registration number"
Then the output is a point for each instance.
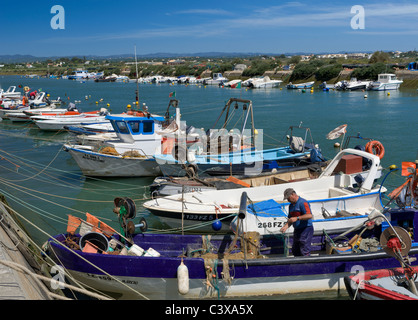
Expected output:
(92, 157)
(274, 224)
(192, 189)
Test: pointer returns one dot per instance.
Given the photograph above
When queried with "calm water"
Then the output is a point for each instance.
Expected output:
(44, 184)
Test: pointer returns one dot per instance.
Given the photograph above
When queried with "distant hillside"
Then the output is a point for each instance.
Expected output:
(19, 58)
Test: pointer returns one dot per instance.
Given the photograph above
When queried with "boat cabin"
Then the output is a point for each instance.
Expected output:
(387, 77)
(137, 132)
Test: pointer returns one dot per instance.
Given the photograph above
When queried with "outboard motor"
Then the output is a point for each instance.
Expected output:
(71, 107)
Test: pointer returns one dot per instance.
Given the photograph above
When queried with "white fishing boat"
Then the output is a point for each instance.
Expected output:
(10, 93)
(36, 102)
(246, 83)
(84, 74)
(129, 155)
(217, 79)
(386, 81)
(264, 82)
(331, 192)
(140, 136)
(187, 80)
(355, 84)
(9, 105)
(57, 124)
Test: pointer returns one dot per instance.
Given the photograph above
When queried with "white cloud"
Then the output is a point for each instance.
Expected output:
(219, 12)
(380, 18)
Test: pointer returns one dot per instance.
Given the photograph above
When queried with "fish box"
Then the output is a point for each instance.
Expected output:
(349, 164)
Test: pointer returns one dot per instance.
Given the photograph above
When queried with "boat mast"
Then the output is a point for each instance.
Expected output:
(137, 82)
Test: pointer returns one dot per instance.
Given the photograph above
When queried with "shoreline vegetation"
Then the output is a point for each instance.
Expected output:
(295, 69)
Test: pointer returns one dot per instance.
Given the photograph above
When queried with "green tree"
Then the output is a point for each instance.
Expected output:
(303, 71)
(371, 72)
(295, 59)
(328, 72)
(379, 56)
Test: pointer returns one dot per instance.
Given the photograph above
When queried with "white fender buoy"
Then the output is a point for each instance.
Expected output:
(183, 278)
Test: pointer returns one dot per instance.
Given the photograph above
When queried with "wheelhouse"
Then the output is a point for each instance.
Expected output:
(135, 125)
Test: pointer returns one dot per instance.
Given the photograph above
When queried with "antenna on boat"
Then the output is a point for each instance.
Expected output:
(137, 82)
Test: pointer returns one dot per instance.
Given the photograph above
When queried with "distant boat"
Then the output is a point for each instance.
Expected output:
(217, 79)
(10, 93)
(264, 82)
(386, 81)
(233, 84)
(106, 79)
(352, 85)
(305, 85)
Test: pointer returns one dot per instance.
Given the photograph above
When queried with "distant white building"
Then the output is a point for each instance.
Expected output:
(306, 57)
(357, 55)
(332, 56)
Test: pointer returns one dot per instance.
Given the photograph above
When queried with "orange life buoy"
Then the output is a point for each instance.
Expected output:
(375, 147)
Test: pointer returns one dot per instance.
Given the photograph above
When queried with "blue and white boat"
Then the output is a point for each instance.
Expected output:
(241, 162)
(305, 85)
(139, 136)
(84, 74)
(128, 155)
(220, 152)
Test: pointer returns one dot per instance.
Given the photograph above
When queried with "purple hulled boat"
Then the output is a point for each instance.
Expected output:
(219, 266)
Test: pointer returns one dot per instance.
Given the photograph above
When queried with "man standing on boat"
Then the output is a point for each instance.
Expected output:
(300, 216)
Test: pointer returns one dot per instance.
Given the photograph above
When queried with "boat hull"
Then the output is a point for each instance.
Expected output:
(103, 165)
(265, 223)
(385, 86)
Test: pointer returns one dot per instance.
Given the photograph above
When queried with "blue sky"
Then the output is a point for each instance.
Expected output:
(102, 27)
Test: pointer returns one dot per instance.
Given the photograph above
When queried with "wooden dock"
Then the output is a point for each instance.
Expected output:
(23, 272)
(16, 273)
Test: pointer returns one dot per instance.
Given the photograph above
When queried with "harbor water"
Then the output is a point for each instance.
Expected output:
(43, 183)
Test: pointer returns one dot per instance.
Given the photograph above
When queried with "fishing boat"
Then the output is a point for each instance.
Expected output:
(217, 79)
(135, 264)
(57, 122)
(305, 85)
(245, 162)
(106, 79)
(168, 186)
(264, 82)
(140, 135)
(385, 81)
(220, 152)
(344, 185)
(353, 85)
(10, 93)
(11, 105)
(61, 114)
(84, 74)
